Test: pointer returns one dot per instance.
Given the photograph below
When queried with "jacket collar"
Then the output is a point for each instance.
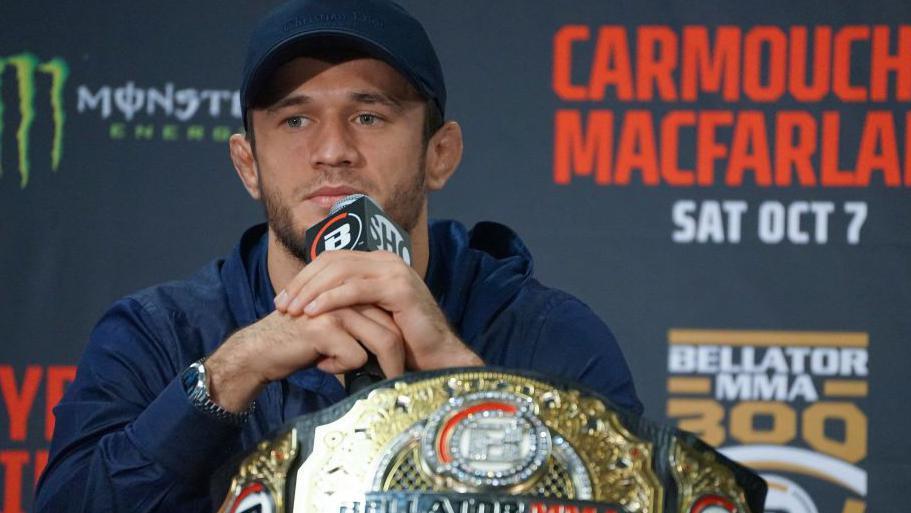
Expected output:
(473, 274)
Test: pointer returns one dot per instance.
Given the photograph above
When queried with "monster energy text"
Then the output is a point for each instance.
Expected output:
(26, 66)
(166, 113)
(171, 132)
(184, 104)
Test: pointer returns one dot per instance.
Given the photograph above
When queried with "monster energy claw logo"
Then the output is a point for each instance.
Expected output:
(26, 65)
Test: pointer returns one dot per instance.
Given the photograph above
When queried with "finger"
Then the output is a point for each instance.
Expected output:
(292, 344)
(386, 344)
(351, 293)
(390, 290)
(379, 316)
(284, 298)
(383, 279)
(332, 365)
(341, 272)
(326, 274)
(340, 353)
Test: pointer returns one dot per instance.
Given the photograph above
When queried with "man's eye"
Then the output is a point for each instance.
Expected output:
(368, 119)
(295, 122)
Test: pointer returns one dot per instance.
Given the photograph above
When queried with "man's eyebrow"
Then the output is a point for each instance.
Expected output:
(365, 97)
(377, 97)
(289, 101)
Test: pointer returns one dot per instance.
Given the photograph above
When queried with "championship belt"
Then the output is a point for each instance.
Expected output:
(483, 440)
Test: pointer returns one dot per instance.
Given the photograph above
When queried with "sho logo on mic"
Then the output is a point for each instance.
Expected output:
(389, 237)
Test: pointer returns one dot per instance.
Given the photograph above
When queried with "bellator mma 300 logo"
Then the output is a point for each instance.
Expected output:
(787, 404)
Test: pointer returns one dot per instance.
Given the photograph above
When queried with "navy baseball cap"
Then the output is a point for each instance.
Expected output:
(380, 28)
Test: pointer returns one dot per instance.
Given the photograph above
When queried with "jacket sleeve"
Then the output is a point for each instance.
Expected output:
(126, 436)
(575, 343)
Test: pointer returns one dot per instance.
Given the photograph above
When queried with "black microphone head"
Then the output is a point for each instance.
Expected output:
(347, 200)
(356, 222)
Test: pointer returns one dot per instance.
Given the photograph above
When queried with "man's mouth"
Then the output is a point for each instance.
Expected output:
(325, 197)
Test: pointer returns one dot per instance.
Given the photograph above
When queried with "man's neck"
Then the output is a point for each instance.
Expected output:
(283, 266)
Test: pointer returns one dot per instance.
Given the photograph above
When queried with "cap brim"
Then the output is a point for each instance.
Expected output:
(303, 44)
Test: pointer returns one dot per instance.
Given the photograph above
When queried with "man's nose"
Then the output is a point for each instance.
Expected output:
(334, 145)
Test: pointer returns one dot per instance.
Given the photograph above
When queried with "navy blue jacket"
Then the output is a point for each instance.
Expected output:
(128, 439)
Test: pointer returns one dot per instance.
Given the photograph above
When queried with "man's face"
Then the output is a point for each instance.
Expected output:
(337, 129)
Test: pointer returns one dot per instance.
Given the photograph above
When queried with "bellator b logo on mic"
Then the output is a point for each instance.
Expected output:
(343, 228)
(341, 231)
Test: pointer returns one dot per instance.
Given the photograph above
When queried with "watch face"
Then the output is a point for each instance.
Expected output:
(194, 382)
(190, 378)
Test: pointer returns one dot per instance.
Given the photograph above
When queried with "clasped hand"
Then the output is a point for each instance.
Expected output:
(339, 307)
(384, 304)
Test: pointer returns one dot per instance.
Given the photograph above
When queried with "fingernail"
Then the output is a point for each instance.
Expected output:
(295, 305)
(311, 307)
(281, 299)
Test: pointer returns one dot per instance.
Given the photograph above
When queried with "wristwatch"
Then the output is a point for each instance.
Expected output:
(196, 384)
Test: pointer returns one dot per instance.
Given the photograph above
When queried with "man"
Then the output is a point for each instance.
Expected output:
(339, 97)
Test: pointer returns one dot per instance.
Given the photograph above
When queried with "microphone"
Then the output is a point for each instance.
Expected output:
(357, 223)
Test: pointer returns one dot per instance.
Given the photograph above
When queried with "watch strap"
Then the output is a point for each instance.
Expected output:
(196, 384)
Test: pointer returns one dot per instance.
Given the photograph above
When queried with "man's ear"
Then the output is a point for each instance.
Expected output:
(444, 152)
(245, 164)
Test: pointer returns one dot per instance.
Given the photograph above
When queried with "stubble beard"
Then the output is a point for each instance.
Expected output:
(404, 207)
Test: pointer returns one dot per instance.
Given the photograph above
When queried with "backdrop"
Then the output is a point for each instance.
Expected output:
(727, 185)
